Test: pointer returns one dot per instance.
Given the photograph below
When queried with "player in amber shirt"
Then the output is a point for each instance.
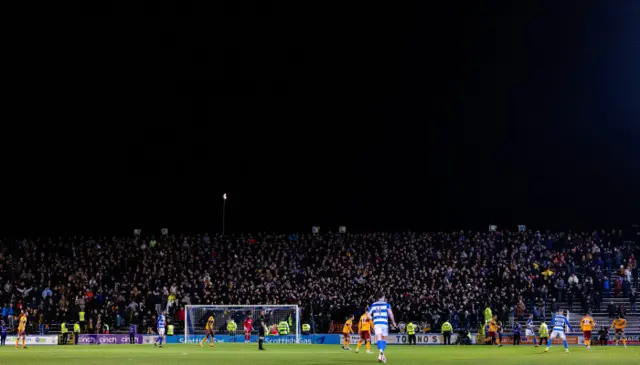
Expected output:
(209, 332)
(347, 330)
(620, 323)
(364, 329)
(22, 328)
(493, 331)
(587, 325)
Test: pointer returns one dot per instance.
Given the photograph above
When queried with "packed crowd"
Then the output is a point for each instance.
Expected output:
(427, 276)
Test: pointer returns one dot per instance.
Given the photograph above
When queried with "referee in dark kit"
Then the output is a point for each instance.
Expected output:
(262, 330)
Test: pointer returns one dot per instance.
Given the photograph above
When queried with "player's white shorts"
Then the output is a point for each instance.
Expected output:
(560, 334)
(381, 329)
(529, 333)
(160, 331)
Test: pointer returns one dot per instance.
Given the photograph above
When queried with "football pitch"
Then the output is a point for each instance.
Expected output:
(237, 354)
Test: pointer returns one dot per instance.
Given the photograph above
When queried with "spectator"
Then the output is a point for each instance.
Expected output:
(46, 293)
(611, 309)
(627, 274)
(559, 285)
(573, 279)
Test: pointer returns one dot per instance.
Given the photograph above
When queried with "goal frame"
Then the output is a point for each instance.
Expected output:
(243, 307)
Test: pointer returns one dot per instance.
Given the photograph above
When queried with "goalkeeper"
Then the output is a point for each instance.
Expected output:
(231, 329)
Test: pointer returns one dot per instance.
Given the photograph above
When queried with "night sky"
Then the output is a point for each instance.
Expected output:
(406, 115)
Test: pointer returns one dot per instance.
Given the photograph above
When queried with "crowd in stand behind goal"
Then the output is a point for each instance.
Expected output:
(111, 283)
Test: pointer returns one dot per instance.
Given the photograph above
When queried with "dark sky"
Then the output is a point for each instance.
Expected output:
(422, 115)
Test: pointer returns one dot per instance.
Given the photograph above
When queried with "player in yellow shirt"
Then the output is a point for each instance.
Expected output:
(620, 323)
(364, 329)
(22, 328)
(347, 330)
(493, 331)
(587, 324)
(210, 333)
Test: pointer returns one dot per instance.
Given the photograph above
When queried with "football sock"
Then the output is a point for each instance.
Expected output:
(17, 342)
(549, 343)
(260, 343)
(358, 345)
(368, 345)
(624, 341)
(23, 342)
(379, 343)
(566, 345)
(535, 342)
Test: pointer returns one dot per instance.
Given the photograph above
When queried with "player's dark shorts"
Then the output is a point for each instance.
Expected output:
(211, 333)
(22, 333)
(261, 333)
(492, 334)
(543, 340)
(587, 335)
(619, 331)
(347, 337)
(365, 335)
(247, 330)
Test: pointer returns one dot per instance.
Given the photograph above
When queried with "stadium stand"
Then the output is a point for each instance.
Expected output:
(430, 276)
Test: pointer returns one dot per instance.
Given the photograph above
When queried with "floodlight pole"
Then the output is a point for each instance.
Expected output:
(224, 211)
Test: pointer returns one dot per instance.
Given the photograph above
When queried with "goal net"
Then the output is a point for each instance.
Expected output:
(196, 316)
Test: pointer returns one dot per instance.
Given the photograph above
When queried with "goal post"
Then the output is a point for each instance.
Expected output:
(196, 316)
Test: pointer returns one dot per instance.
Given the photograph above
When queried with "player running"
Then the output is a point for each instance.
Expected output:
(531, 331)
(587, 324)
(22, 328)
(209, 333)
(559, 321)
(364, 329)
(493, 331)
(381, 312)
(620, 323)
(161, 325)
(248, 327)
(347, 330)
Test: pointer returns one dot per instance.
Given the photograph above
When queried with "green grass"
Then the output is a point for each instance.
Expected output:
(237, 354)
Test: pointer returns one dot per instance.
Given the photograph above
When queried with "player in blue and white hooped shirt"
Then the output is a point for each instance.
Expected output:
(531, 331)
(381, 313)
(559, 321)
(161, 325)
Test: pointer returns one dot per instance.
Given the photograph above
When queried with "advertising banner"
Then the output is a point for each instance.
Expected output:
(330, 339)
(35, 340)
(423, 339)
(633, 338)
(394, 339)
(108, 339)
